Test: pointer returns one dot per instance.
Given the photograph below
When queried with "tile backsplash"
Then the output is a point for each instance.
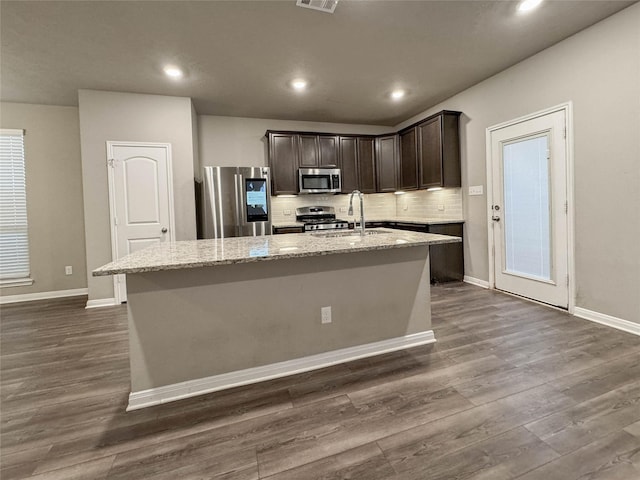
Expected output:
(376, 205)
(445, 204)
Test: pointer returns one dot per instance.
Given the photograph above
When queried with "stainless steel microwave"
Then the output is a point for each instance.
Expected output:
(319, 180)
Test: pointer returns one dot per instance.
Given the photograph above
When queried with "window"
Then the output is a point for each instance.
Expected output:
(14, 240)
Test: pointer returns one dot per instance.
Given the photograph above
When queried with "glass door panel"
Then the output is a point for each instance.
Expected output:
(527, 204)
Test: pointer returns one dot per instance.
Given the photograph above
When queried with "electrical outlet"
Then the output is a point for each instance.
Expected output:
(286, 212)
(343, 209)
(68, 270)
(476, 190)
(441, 207)
(405, 206)
(325, 314)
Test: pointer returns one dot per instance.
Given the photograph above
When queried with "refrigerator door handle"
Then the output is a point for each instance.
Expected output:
(239, 204)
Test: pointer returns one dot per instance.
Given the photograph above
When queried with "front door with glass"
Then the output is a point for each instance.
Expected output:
(529, 208)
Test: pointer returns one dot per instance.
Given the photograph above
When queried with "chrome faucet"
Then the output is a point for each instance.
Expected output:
(361, 210)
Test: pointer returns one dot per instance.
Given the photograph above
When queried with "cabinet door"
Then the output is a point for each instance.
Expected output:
(282, 230)
(412, 227)
(430, 153)
(446, 260)
(451, 150)
(348, 164)
(283, 160)
(328, 146)
(386, 163)
(366, 165)
(308, 146)
(408, 165)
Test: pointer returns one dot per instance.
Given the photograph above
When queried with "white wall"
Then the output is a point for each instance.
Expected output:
(598, 70)
(235, 141)
(54, 195)
(111, 116)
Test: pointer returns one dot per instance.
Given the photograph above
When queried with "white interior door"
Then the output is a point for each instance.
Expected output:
(141, 200)
(529, 208)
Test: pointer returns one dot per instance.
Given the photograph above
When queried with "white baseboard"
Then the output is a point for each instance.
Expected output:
(476, 281)
(29, 297)
(101, 302)
(200, 386)
(608, 320)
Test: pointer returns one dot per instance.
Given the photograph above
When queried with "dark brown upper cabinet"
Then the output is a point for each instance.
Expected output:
(408, 161)
(318, 150)
(439, 151)
(328, 148)
(308, 151)
(289, 151)
(348, 148)
(357, 163)
(366, 164)
(387, 163)
(423, 155)
(283, 161)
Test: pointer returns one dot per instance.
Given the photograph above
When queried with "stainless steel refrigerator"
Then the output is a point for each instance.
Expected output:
(236, 202)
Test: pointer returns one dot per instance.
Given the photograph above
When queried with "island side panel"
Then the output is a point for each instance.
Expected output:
(194, 323)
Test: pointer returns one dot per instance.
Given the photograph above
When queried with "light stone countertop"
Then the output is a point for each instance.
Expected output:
(417, 220)
(207, 253)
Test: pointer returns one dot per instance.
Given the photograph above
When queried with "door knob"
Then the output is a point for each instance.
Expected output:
(164, 230)
(495, 218)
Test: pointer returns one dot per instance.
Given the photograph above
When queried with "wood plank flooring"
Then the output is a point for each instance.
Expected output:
(510, 390)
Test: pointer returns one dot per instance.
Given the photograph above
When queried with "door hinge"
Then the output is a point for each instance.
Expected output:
(564, 132)
(567, 279)
(566, 207)
(115, 221)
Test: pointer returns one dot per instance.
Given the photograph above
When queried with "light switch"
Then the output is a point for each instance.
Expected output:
(476, 190)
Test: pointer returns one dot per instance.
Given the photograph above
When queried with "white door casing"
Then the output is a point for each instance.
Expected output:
(140, 200)
(530, 216)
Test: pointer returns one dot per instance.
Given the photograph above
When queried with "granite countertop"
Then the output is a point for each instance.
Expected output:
(417, 220)
(207, 253)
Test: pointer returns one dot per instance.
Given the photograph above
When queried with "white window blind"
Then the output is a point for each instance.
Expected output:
(14, 240)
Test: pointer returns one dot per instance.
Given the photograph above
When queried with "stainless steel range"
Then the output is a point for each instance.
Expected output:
(320, 218)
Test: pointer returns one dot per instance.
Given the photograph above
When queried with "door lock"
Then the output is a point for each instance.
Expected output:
(495, 218)
(164, 230)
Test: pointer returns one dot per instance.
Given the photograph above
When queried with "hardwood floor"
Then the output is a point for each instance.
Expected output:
(510, 390)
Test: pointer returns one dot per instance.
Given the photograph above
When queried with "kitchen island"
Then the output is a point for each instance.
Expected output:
(207, 315)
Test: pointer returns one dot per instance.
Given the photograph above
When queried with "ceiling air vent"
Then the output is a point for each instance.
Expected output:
(327, 6)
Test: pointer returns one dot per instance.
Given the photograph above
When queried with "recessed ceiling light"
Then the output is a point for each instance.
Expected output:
(397, 94)
(528, 5)
(172, 71)
(299, 84)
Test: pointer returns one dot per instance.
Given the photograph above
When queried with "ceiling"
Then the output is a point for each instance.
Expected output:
(240, 56)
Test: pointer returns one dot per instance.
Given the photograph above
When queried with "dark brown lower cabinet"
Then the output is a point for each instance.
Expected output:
(279, 230)
(446, 261)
